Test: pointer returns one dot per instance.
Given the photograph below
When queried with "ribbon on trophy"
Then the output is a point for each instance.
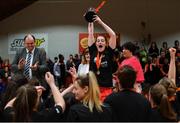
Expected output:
(89, 15)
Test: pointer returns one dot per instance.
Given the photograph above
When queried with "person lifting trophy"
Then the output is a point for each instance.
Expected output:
(101, 55)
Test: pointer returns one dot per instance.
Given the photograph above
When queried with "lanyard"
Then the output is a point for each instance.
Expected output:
(98, 60)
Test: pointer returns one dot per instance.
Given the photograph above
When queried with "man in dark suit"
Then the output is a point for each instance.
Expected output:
(30, 61)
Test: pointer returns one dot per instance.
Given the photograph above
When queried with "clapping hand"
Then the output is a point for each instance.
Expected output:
(35, 66)
(21, 63)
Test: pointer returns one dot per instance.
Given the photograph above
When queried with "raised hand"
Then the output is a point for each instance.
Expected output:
(40, 89)
(21, 63)
(97, 19)
(35, 66)
(73, 73)
(172, 66)
(172, 52)
(49, 78)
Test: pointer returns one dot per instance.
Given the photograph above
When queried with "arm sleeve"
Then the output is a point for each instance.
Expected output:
(72, 115)
(52, 114)
(8, 114)
(42, 60)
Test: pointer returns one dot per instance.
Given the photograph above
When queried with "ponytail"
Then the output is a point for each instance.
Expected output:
(92, 98)
(160, 98)
(94, 93)
(166, 109)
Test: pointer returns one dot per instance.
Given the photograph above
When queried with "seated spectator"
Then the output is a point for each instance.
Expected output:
(176, 45)
(7, 68)
(165, 49)
(143, 56)
(128, 105)
(153, 50)
(164, 68)
(152, 71)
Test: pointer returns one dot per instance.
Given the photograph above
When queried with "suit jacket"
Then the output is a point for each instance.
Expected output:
(39, 55)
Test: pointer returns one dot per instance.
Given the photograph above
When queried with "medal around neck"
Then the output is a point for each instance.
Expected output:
(98, 72)
(89, 15)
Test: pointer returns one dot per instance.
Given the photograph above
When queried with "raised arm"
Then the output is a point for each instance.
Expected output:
(91, 39)
(172, 67)
(67, 90)
(112, 34)
(58, 99)
(10, 103)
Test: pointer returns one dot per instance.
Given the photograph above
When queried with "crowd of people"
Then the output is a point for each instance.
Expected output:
(107, 83)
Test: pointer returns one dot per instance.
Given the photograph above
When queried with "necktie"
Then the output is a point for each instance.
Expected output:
(27, 66)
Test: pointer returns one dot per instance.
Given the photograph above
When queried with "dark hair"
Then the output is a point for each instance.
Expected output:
(61, 58)
(25, 102)
(55, 58)
(176, 42)
(12, 86)
(1, 61)
(31, 36)
(34, 81)
(129, 46)
(127, 76)
(9, 93)
(164, 44)
(19, 79)
(145, 88)
(154, 44)
(70, 55)
(160, 98)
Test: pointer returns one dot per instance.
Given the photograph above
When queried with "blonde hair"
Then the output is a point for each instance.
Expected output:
(169, 85)
(92, 98)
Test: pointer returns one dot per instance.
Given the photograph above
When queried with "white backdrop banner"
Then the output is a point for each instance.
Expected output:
(16, 41)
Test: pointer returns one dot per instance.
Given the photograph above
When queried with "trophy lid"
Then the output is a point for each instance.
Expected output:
(89, 15)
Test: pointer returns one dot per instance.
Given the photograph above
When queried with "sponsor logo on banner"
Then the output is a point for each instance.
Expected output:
(16, 41)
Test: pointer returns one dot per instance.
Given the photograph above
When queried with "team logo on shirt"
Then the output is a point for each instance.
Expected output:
(57, 110)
